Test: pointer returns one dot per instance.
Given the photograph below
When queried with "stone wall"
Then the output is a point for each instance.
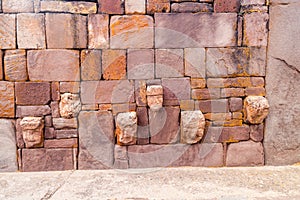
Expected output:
(132, 84)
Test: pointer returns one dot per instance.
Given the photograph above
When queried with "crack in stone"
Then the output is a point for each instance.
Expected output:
(288, 65)
(49, 194)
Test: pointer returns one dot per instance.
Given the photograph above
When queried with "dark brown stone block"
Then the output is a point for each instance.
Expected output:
(29, 93)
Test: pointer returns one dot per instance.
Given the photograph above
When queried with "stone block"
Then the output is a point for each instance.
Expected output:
(252, 2)
(8, 31)
(8, 155)
(55, 93)
(131, 31)
(155, 96)
(135, 6)
(68, 7)
(7, 99)
(114, 64)
(256, 109)
(62, 123)
(191, 7)
(124, 107)
(53, 65)
(175, 90)
(61, 143)
(111, 6)
(257, 63)
(157, 6)
(169, 32)
(245, 154)
(1, 65)
(194, 62)
(197, 83)
(66, 133)
(217, 116)
(192, 126)
(164, 125)
(34, 111)
(91, 65)
(31, 35)
(232, 92)
(96, 135)
(121, 157)
(17, 6)
(126, 128)
(69, 87)
(93, 107)
(209, 106)
(47, 159)
(169, 63)
(187, 104)
(227, 5)
(69, 105)
(140, 64)
(201, 94)
(98, 31)
(71, 30)
(143, 125)
(257, 132)
(255, 91)
(19, 136)
(49, 133)
(107, 92)
(32, 131)
(140, 88)
(15, 65)
(54, 105)
(255, 29)
(30, 93)
(235, 104)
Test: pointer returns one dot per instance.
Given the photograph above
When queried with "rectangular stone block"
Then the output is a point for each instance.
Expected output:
(194, 62)
(232, 92)
(201, 94)
(15, 65)
(227, 5)
(176, 89)
(69, 87)
(66, 133)
(98, 31)
(68, 7)
(253, 2)
(140, 87)
(157, 6)
(169, 63)
(54, 109)
(49, 133)
(62, 123)
(47, 159)
(121, 157)
(1, 65)
(111, 6)
(217, 116)
(34, 111)
(169, 32)
(131, 31)
(31, 35)
(114, 64)
(135, 6)
(30, 93)
(226, 134)
(61, 143)
(66, 31)
(257, 132)
(197, 83)
(143, 125)
(255, 91)
(18, 6)
(140, 63)
(53, 65)
(191, 7)
(55, 94)
(125, 107)
(8, 31)
(187, 104)
(209, 106)
(236, 104)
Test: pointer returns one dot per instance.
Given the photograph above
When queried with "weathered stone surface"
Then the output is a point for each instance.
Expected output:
(54, 105)
(61, 143)
(140, 88)
(17, 6)
(200, 94)
(143, 125)
(194, 62)
(254, 2)
(98, 31)
(169, 32)
(169, 63)
(7, 99)
(254, 8)
(69, 87)
(235, 104)
(69, 105)
(176, 89)
(114, 64)
(126, 128)
(107, 92)
(217, 116)
(31, 35)
(15, 65)
(123, 107)
(69, 7)
(257, 132)
(1, 65)
(62, 123)
(53, 65)
(232, 92)
(111, 6)
(49, 133)
(255, 29)
(255, 91)
(8, 31)
(91, 65)
(191, 7)
(227, 5)
(245, 154)
(32, 131)
(187, 105)
(226, 134)
(47, 159)
(155, 96)
(164, 125)
(96, 136)
(282, 136)
(121, 157)
(140, 64)
(30, 93)
(209, 106)
(34, 111)
(192, 126)
(155, 6)
(237, 82)
(153, 90)
(197, 83)
(66, 133)
(71, 30)
(256, 109)
(131, 31)
(135, 6)
(55, 94)
(19, 136)
(8, 155)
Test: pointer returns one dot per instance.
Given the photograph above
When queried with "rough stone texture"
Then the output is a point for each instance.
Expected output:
(254, 2)
(135, 6)
(208, 106)
(169, 63)
(69, 87)
(47, 159)
(15, 65)
(126, 128)
(17, 6)
(140, 93)
(121, 157)
(19, 136)
(155, 97)
(32, 131)
(69, 7)
(71, 30)
(187, 105)
(282, 134)
(194, 62)
(66, 133)
(255, 29)
(34, 111)
(8, 31)
(61, 143)
(143, 125)
(69, 105)
(236, 104)
(155, 6)
(107, 92)
(176, 89)
(90, 65)
(255, 91)
(257, 132)
(192, 126)
(256, 109)
(30, 93)
(111, 6)
(227, 5)
(96, 136)
(232, 92)
(191, 7)
(98, 31)
(55, 94)
(164, 125)
(114, 64)
(8, 155)
(55, 109)
(123, 107)
(140, 63)
(53, 65)
(200, 94)
(62, 123)
(171, 34)
(31, 35)
(7, 99)
(245, 154)
(131, 31)
(197, 83)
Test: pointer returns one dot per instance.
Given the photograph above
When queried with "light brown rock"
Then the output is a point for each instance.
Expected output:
(32, 131)
(135, 6)
(7, 99)
(98, 31)
(126, 128)
(62, 123)
(256, 109)
(192, 126)
(114, 64)
(155, 97)
(69, 7)
(8, 31)
(17, 6)
(194, 62)
(15, 65)
(69, 105)
(156, 6)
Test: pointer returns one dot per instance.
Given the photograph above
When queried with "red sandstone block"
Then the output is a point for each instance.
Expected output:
(154, 6)
(33, 111)
(69, 87)
(143, 126)
(235, 104)
(226, 134)
(61, 143)
(15, 65)
(8, 31)
(55, 109)
(255, 91)
(29, 93)
(201, 94)
(175, 90)
(17, 6)
(187, 104)
(140, 64)
(209, 106)
(114, 64)
(124, 107)
(49, 133)
(111, 6)
(232, 92)
(197, 83)
(140, 87)
(98, 31)
(19, 135)
(55, 94)
(257, 132)
(257, 81)
(66, 133)
(169, 63)
(227, 5)
(1, 66)
(91, 65)
(7, 99)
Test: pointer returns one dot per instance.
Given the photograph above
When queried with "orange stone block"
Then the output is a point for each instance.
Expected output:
(114, 64)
